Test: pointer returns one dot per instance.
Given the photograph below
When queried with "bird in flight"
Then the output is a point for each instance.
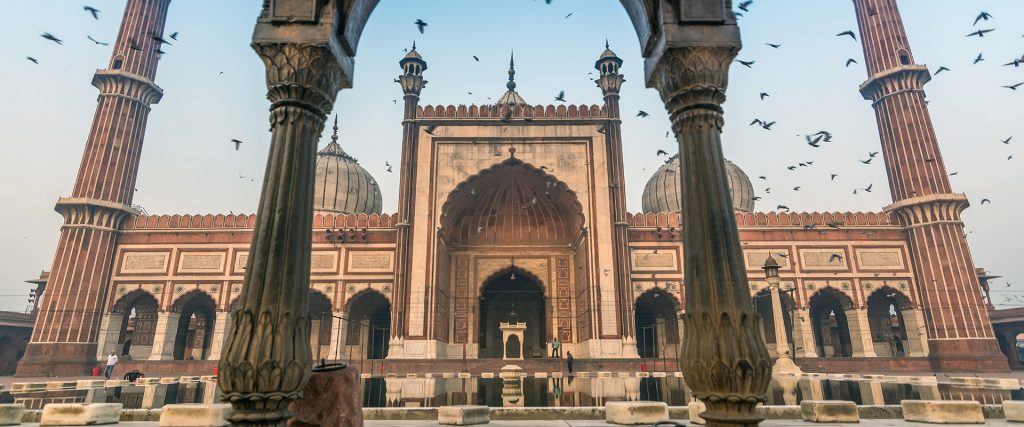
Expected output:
(476, 59)
(763, 124)
(983, 16)
(34, 61)
(764, 95)
(92, 10)
(662, 153)
(850, 61)
(981, 33)
(941, 69)
(237, 143)
(815, 141)
(745, 63)
(848, 33)
(567, 16)
(561, 96)
(782, 208)
(421, 25)
(1014, 87)
(745, 4)
(868, 189)
(161, 40)
(174, 36)
(835, 257)
(978, 59)
(642, 113)
(832, 177)
(983, 201)
(872, 154)
(868, 161)
(52, 38)
(97, 41)
(387, 166)
(1006, 141)
(773, 45)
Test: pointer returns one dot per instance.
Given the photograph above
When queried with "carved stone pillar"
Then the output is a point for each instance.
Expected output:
(110, 332)
(266, 361)
(725, 360)
(220, 330)
(803, 335)
(860, 333)
(163, 338)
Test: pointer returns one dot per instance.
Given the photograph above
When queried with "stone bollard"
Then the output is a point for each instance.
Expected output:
(463, 415)
(829, 411)
(76, 414)
(11, 414)
(1014, 410)
(943, 411)
(195, 415)
(638, 412)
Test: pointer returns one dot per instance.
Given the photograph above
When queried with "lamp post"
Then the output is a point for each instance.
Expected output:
(784, 363)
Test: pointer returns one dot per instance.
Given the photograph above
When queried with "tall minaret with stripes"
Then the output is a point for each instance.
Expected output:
(64, 340)
(960, 336)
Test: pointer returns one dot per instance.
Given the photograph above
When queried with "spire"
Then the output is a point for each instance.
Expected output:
(511, 98)
(333, 148)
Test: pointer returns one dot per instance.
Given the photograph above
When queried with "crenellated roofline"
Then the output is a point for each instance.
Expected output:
(776, 219)
(248, 221)
(474, 111)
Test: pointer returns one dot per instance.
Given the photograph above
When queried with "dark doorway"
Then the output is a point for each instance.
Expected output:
(831, 329)
(369, 324)
(512, 296)
(195, 326)
(657, 329)
(885, 315)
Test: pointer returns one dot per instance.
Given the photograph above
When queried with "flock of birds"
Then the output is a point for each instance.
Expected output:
(133, 43)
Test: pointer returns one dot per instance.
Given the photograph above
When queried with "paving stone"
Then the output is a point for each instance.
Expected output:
(11, 414)
(463, 415)
(195, 415)
(77, 414)
(943, 411)
(635, 413)
(829, 411)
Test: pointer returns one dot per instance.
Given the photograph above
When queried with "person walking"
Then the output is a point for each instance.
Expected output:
(556, 348)
(111, 361)
(568, 361)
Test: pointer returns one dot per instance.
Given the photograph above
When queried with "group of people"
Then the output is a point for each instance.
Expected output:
(556, 351)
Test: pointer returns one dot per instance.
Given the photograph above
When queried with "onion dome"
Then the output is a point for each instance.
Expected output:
(663, 192)
(342, 186)
(512, 98)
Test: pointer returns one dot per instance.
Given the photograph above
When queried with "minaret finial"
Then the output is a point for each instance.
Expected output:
(511, 71)
(606, 44)
(334, 136)
(414, 45)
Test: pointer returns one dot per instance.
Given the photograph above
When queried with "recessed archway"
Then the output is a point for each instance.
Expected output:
(194, 337)
(763, 305)
(320, 323)
(888, 328)
(512, 295)
(368, 328)
(657, 327)
(830, 326)
(139, 311)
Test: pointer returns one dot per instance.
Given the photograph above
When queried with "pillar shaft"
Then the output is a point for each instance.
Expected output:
(110, 331)
(860, 333)
(803, 335)
(220, 331)
(725, 360)
(164, 334)
(266, 360)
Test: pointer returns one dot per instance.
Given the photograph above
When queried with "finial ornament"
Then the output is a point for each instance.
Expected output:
(511, 85)
(511, 151)
(605, 44)
(334, 136)
(414, 45)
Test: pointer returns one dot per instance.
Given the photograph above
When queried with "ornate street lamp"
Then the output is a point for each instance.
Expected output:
(784, 363)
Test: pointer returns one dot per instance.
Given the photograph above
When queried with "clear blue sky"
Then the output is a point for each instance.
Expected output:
(189, 165)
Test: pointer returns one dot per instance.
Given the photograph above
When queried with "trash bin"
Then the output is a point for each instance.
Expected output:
(96, 372)
(215, 371)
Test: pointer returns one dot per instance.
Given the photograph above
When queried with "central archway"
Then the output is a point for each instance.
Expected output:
(657, 330)
(512, 295)
(828, 310)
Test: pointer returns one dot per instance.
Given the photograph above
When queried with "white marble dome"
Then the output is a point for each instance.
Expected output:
(663, 192)
(342, 186)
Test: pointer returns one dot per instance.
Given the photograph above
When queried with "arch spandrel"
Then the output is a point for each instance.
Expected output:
(844, 298)
(129, 299)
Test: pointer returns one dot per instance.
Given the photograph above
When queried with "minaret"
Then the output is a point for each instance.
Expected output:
(610, 82)
(412, 83)
(960, 336)
(64, 340)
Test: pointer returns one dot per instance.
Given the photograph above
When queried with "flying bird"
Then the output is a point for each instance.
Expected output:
(745, 4)
(238, 144)
(52, 38)
(133, 44)
(642, 113)
(815, 141)
(662, 153)
(567, 16)
(872, 154)
(174, 36)
(868, 189)
(762, 177)
(848, 33)
(97, 41)
(476, 59)
(773, 45)
(981, 33)
(764, 95)
(782, 208)
(941, 69)
(600, 129)
(983, 201)
(1014, 87)
(978, 59)
(868, 161)
(850, 61)
(387, 166)
(561, 96)
(421, 25)
(161, 40)
(34, 61)
(92, 10)
(832, 177)
(983, 16)
(835, 257)
(430, 129)
(1016, 62)
(1006, 141)
(797, 188)
(745, 63)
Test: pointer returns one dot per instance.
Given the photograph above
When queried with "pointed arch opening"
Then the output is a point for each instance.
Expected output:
(830, 326)
(657, 325)
(139, 311)
(196, 315)
(368, 328)
(320, 323)
(888, 328)
(512, 295)
(763, 305)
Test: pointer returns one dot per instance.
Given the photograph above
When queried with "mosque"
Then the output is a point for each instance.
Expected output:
(519, 235)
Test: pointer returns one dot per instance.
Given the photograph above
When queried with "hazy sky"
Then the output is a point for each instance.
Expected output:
(214, 91)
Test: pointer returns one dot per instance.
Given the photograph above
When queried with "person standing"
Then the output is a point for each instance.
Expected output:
(568, 361)
(111, 361)
(556, 348)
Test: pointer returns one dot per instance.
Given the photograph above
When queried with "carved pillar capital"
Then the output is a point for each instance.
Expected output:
(306, 75)
(694, 77)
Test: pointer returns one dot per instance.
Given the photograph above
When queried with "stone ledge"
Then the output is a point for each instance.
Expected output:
(1014, 410)
(88, 384)
(11, 414)
(829, 411)
(195, 415)
(76, 414)
(549, 413)
(140, 414)
(463, 415)
(943, 411)
(633, 413)
(400, 414)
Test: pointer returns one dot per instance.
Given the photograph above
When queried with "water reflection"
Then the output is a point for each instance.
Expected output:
(538, 392)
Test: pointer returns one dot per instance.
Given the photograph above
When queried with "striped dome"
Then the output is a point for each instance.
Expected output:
(663, 192)
(342, 186)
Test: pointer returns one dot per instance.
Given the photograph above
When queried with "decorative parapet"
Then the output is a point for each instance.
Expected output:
(777, 219)
(247, 221)
(496, 112)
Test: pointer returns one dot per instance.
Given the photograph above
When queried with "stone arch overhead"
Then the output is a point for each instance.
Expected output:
(330, 301)
(903, 301)
(187, 297)
(129, 299)
(659, 290)
(522, 271)
(512, 201)
(844, 299)
(368, 290)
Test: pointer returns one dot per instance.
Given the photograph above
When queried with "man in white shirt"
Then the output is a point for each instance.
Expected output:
(111, 361)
